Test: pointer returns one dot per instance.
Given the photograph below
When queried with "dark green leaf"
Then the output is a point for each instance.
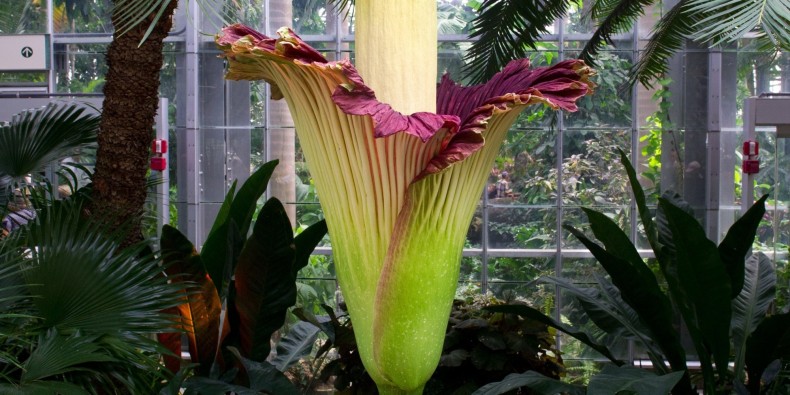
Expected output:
(535, 381)
(218, 255)
(265, 280)
(751, 305)
(296, 345)
(641, 203)
(636, 283)
(613, 380)
(738, 242)
(224, 210)
(770, 341)
(454, 358)
(197, 385)
(265, 377)
(532, 314)
(705, 281)
(306, 242)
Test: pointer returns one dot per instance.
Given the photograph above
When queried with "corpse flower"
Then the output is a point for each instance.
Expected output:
(398, 191)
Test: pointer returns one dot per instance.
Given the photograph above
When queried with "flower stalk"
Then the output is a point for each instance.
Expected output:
(398, 191)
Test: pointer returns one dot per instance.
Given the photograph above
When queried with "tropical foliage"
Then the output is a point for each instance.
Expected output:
(38, 137)
(243, 289)
(507, 29)
(721, 297)
(78, 311)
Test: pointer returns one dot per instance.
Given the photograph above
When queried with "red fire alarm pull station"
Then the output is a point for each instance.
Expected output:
(159, 146)
(159, 160)
(751, 157)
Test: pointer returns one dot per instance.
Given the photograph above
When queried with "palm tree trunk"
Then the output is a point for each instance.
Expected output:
(126, 131)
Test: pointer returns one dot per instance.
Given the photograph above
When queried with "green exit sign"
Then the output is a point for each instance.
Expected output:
(24, 52)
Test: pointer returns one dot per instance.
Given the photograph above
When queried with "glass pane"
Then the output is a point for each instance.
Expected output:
(527, 163)
(89, 16)
(533, 228)
(80, 68)
(470, 270)
(610, 104)
(23, 17)
(519, 269)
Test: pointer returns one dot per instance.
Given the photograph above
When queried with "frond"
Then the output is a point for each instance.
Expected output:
(615, 17)
(668, 37)
(727, 20)
(87, 284)
(35, 138)
(506, 30)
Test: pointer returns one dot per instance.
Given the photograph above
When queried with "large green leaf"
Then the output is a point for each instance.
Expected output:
(306, 242)
(296, 345)
(218, 255)
(629, 379)
(612, 16)
(636, 283)
(43, 387)
(770, 341)
(201, 312)
(224, 210)
(641, 203)
(265, 280)
(532, 314)
(536, 382)
(605, 311)
(612, 295)
(751, 305)
(265, 377)
(738, 242)
(127, 291)
(56, 354)
(706, 283)
(34, 138)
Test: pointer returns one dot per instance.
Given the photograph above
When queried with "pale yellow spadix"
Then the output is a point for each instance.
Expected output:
(396, 51)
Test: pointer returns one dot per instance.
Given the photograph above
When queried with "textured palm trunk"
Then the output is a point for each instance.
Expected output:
(126, 131)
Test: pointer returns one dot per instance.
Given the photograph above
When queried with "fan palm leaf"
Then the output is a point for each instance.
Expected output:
(35, 138)
(90, 306)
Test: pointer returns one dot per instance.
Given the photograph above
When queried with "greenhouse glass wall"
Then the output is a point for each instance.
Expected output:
(684, 134)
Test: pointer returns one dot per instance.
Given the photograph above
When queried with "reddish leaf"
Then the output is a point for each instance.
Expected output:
(201, 312)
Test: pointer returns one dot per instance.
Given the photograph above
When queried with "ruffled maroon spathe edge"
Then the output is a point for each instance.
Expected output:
(354, 98)
(559, 85)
